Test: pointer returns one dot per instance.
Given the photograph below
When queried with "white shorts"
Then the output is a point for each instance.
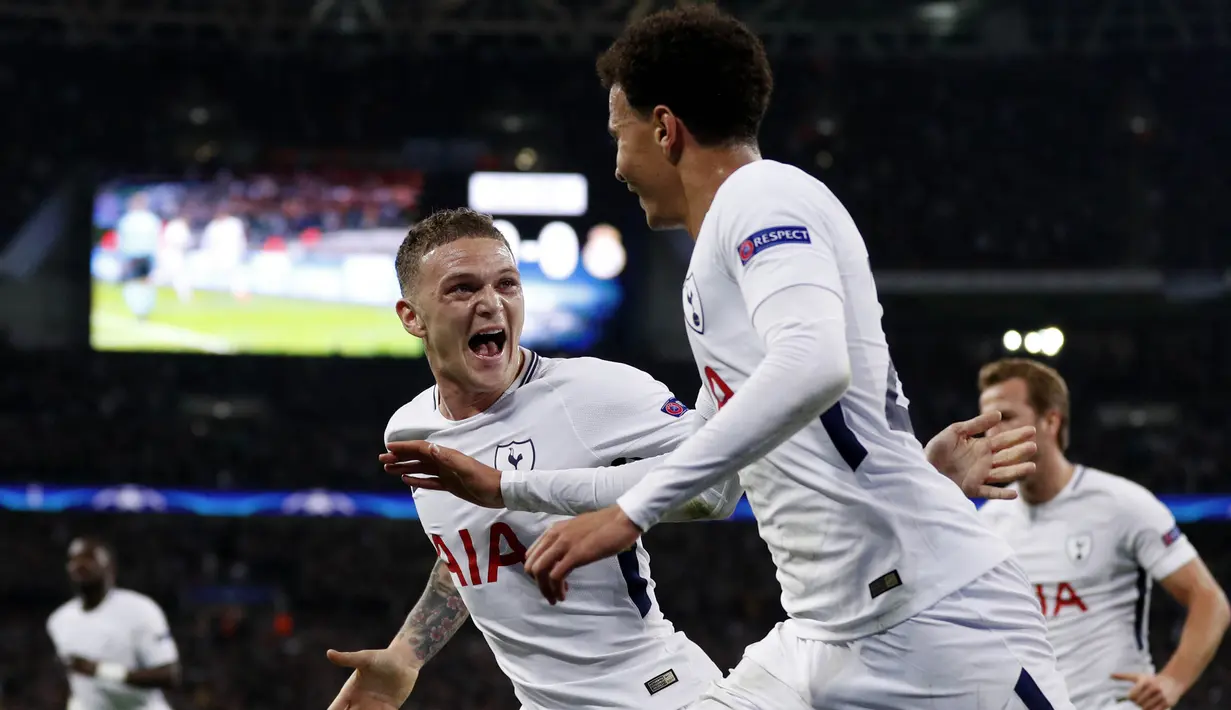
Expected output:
(983, 647)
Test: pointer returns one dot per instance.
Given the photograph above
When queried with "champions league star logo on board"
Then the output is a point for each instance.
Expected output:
(318, 503)
(515, 456)
(129, 499)
(1078, 547)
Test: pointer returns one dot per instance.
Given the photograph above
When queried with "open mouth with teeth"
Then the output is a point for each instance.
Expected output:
(488, 343)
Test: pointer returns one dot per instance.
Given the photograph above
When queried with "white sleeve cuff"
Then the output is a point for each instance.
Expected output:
(638, 510)
(571, 491)
(111, 671)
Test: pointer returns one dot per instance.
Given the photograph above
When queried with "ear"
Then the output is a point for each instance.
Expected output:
(668, 131)
(411, 321)
(666, 127)
(1052, 421)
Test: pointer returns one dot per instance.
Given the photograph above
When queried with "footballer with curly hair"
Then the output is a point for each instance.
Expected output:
(898, 597)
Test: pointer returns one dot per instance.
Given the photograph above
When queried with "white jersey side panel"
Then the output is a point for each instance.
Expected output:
(864, 531)
(127, 628)
(1092, 553)
(608, 645)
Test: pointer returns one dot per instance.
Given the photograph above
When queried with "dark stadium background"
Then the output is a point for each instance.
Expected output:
(1013, 164)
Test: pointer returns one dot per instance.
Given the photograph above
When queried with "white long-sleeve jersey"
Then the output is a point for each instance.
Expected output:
(785, 327)
(609, 646)
(1092, 553)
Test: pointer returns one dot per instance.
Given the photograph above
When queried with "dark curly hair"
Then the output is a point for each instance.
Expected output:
(438, 229)
(706, 66)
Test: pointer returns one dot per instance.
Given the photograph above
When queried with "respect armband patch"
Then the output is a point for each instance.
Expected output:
(772, 237)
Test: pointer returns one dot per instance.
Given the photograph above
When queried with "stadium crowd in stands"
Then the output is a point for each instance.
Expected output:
(995, 163)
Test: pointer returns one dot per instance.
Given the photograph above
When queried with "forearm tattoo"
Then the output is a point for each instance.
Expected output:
(437, 615)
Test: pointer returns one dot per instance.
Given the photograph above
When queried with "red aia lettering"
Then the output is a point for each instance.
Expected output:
(442, 550)
(495, 558)
(722, 393)
(474, 559)
(1065, 596)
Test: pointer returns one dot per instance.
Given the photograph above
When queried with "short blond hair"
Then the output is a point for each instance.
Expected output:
(1045, 388)
(437, 229)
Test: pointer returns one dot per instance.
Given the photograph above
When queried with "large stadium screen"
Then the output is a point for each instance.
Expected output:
(303, 265)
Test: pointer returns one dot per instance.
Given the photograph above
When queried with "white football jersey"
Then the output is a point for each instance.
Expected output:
(609, 645)
(864, 531)
(127, 628)
(1092, 553)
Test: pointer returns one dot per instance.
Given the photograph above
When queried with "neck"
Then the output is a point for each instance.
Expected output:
(703, 171)
(1052, 473)
(91, 597)
(457, 402)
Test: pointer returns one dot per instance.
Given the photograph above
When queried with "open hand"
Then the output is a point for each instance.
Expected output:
(567, 545)
(979, 464)
(382, 680)
(436, 468)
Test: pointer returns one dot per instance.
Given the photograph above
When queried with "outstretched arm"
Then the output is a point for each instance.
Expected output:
(977, 464)
(435, 618)
(572, 492)
(383, 678)
(641, 423)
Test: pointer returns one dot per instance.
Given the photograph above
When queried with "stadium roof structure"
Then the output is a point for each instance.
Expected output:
(860, 27)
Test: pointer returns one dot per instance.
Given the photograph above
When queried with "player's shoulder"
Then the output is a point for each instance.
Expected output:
(414, 416)
(63, 613)
(771, 176)
(771, 190)
(133, 602)
(591, 374)
(999, 510)
(764, 184)
(1092, 482)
